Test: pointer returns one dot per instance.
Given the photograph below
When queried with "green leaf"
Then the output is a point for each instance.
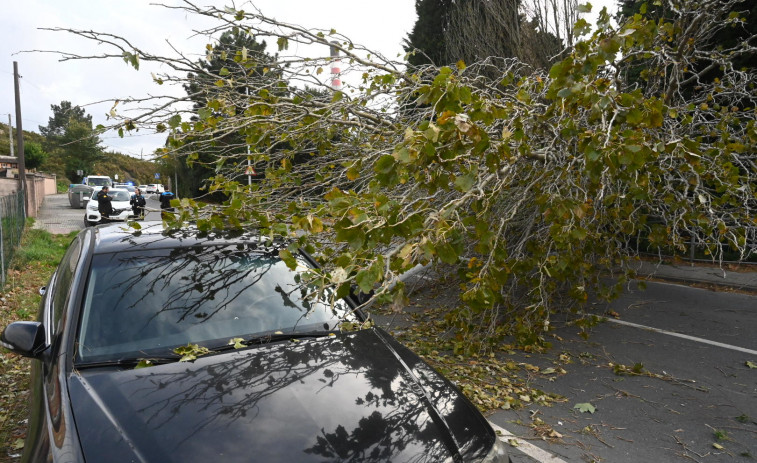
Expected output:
(634, 116)
(385, 164)
(751, 364)
(584, 8)
(585, 407)
(366, 279)
(283, 43)
(288, 259)
(144, 363)
(190, 352)
(581, 27)
(174, 121)
(465, 182)
(446, 253)
(237, 343)
(131, 58)
(204, 113)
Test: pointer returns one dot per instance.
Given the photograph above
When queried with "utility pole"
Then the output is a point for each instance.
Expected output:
(19, 137)
(10, 133)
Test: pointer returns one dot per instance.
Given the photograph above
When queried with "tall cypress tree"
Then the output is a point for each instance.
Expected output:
(243, 62)
(428, 32)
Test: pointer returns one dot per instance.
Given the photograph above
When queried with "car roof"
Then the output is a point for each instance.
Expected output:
(153, 235)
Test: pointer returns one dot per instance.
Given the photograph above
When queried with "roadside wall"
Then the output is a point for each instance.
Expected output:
(38, 185)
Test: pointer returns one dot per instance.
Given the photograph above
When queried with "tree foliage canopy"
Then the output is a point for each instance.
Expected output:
(533, 187)
(69, 134)
(34, 155)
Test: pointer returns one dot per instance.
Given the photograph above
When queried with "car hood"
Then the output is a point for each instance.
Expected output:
(354, 397)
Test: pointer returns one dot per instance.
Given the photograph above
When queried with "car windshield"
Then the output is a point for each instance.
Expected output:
(139, 303)
(119, 195)
(98, 181)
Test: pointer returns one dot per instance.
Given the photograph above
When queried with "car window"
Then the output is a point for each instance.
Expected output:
(62, 285)
(139, 301)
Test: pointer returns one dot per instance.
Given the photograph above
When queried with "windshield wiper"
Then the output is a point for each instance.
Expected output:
(130, 361)
(163, 359)
(275, 337)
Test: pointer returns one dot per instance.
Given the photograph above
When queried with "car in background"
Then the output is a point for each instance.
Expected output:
(97, 180)
(183, 346)
(155, 188)
(126, 186)
(120, 203)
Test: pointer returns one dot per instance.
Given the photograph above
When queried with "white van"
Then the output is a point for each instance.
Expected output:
(97, 180)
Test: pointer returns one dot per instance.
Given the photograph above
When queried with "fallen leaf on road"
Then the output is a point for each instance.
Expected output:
(585, 407)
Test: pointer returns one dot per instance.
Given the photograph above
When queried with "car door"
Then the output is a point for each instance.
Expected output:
(51, 435)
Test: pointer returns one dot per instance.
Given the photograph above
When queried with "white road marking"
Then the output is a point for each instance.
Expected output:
(541, 455)
(684, 336)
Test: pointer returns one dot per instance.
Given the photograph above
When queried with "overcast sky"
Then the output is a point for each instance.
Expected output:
(380, 26)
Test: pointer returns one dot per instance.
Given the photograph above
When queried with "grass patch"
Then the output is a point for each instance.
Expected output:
(34, 262)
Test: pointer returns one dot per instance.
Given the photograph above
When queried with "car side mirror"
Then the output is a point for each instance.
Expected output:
(24, 338)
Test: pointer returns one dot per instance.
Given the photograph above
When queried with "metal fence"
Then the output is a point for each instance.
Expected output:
(12, 219)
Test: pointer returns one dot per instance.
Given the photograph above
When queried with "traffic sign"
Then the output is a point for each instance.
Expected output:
(157, 175)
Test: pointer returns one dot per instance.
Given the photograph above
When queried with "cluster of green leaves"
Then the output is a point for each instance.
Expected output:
(532, 187)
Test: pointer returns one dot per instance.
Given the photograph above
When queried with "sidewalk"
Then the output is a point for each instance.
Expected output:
(743, 279)
(57, 216)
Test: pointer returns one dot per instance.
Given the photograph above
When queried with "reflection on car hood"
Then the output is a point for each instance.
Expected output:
(355, 397)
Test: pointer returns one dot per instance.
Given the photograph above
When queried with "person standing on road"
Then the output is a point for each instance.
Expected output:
(138, 203)
(165, 200)
(103, 202)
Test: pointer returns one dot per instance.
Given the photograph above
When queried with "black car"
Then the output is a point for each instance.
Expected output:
(159, 346)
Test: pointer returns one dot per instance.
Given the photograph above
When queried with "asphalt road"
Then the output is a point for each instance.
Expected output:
(57, 216)
(692, 398)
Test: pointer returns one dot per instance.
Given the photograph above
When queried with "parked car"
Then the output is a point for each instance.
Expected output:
(276, 378)
(155, 188)
(120, 203)
(126, 186)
